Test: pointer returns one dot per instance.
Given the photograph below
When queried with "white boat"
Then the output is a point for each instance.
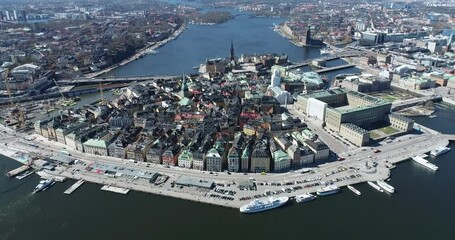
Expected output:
(329, 190)
(386, 186)
(354, 190)
(425, 163)
(324, 51)
(439, 151)
(306, 197)
(264, 204)
(375, 186)
(43, 185)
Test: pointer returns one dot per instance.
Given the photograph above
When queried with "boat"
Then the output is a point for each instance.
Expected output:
(439, 151)
(24, 175)
(262, 205)
(331, 189)
(305, 198)
(375, 186)
(386, 186)
(354, 190)
(43, 185)
(425, 163)
(324, 51)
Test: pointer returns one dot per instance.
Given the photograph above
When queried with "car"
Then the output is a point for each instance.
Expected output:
(377, 151)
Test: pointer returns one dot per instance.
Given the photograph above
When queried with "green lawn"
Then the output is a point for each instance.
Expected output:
(374, 135)
(389, 98)
(388, 130)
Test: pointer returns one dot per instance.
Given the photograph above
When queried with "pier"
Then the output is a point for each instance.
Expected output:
(115, 189)
(75, 186)
(17, 171)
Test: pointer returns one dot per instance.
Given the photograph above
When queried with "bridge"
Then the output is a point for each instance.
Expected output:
(339, 55)
(398, 105)
(86, 81)
(329, 69)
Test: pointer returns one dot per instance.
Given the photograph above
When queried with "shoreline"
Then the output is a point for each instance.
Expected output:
(141, 53)
(279, 30)
(300, 183)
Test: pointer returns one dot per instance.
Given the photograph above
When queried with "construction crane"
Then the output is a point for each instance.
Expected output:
(16, 111)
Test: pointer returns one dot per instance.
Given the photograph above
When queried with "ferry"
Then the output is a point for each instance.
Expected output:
(44, 185)
(329, 190)
(354, 190)
(386, 186)
(264, 204)
(425, 163)
(439, 151)
(375, 186)
(305, 198)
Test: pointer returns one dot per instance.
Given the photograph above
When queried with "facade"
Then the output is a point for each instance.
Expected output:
(321, 150)
(198, 160)
(282, 161)
(260, 159)
(213, 161)
(170, 156)
(96, 146)
(401, 123)
(354, 134)
(185, 159)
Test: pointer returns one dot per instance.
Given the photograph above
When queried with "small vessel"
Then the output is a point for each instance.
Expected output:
(439, 151)
(425, 163)
(386, 186)
(354, 190)
(43, 185)
(262, 205)
(331, 189)
(375, 186)
(24, 175)
(305, 198)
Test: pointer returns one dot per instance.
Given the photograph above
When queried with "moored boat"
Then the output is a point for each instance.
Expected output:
(259, 205)
(439, 151)
(386, 186)
(306, 197)
(329, 190)
(375, 186)
(425, 163)
(354, 190)
(43, 185)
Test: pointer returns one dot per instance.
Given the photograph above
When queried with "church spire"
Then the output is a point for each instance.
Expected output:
(232, 51)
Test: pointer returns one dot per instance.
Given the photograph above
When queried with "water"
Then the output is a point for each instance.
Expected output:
(421, 208)
(198, 43)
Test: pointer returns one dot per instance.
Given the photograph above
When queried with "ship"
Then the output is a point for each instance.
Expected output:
(24, 175)
(331, 189)
(354, 190)
(375, 186)
(425, 163)
(263, 205)
(305, 198)
(386, 186)
(439, 151)
(43, 185)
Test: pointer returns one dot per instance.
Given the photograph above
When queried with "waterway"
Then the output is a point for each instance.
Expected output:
(421, 208)
(251, 35)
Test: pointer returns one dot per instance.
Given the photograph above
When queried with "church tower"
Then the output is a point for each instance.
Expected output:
(184, 89)
(232, 58)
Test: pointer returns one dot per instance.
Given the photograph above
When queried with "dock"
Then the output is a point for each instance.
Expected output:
(115, 189)
(73, 187)
(17, 171)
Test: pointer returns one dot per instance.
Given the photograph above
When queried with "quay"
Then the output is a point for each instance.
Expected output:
(74, 187)
(115, 189)
(17, 171)
(45, 175)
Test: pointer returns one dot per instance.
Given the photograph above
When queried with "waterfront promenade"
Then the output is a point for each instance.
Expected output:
(361, 165)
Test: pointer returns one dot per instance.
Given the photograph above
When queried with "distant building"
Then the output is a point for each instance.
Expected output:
(282, 161)
(170, 156)
(260, 158)
(185, 159)
(213, 161)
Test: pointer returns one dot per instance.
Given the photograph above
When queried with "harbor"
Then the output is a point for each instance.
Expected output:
(114, 189)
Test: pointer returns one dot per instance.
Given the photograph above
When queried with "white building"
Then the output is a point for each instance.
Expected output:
(185, 159)
(213, 160)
